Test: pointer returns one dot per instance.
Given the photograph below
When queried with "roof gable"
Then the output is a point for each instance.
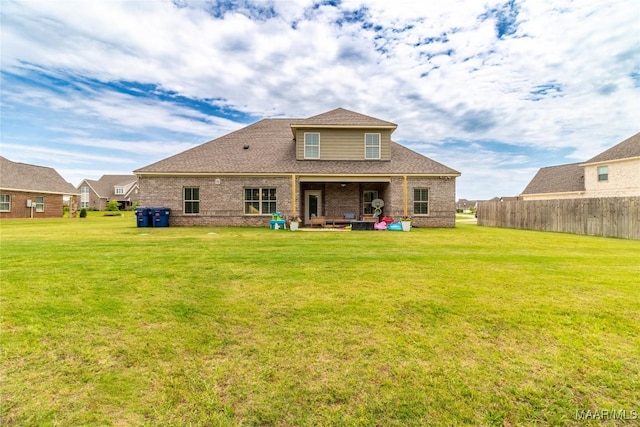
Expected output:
(628, 148)
(105, 186)
(26, 177)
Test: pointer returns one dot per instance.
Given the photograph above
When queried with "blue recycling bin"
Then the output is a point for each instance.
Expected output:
(160, 217)
(143, 217)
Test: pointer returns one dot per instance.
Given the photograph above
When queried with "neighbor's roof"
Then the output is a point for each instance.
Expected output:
(272, 150)
(105, 186)
(627, 149)
(557, 179)
(24, 177)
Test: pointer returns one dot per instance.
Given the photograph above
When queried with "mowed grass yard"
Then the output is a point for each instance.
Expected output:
(104, 323)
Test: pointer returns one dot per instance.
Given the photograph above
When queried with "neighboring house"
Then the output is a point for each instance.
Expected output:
(466, 206)
(613, 173)
(97, 194)
(333, 164)
(30, 191)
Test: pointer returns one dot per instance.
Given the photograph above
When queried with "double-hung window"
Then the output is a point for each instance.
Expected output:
(421, 201)
(260, 201)
(5, 202)
(372, 146)
(311, 145)
(603, 173)
(40, 204)
(191, 200)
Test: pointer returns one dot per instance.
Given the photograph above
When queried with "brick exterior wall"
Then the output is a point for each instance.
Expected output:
(442, 194)
(222, 199)
(53, 205)
(624, 179)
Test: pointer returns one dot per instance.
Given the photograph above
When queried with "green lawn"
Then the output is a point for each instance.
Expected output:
(104, 323)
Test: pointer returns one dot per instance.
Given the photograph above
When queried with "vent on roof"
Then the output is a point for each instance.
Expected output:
(246, 146)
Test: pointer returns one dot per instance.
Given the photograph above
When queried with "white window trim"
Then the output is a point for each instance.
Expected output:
(40, 205)
(379, 146)
(305, 145)
(185, 200)
(8, 202)
(606, 168)
(428, 201)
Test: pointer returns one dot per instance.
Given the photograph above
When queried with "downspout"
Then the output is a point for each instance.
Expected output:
(406, 193)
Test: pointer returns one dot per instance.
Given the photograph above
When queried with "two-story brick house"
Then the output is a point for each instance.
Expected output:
(332, 164)
(96, 194)
(612, 173)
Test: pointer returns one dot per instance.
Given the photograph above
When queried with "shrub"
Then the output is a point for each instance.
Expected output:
(83, 213)
(113, 206)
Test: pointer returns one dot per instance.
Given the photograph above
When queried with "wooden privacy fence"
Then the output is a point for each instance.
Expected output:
(607, 216)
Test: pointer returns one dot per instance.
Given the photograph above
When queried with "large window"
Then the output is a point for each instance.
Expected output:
(84, 197)
(191, 200)
(259, 201)
(372, 146)
(311, 145)
(420, 201)
(367, 197)
(40, 204)
(5, 202)
(603, 173)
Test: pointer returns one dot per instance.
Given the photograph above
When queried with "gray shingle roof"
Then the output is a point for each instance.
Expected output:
(628, 148)
(25, 177)
(557, 179)
(272, 150)
(342, 117)
(105, 186)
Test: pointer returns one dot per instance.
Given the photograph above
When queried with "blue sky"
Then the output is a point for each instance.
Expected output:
(494, 89)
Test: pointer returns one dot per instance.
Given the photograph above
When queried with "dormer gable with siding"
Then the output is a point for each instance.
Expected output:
(341, 134)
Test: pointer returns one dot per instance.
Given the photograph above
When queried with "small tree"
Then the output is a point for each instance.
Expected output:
(113, 206)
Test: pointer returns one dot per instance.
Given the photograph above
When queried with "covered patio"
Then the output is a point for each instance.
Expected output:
(340, 201)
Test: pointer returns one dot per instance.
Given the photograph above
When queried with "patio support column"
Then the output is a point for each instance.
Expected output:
(293, 195)
(406, 193)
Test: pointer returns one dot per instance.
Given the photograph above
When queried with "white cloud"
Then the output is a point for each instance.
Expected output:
(158, 149)
(21, 153)
(561, 79)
